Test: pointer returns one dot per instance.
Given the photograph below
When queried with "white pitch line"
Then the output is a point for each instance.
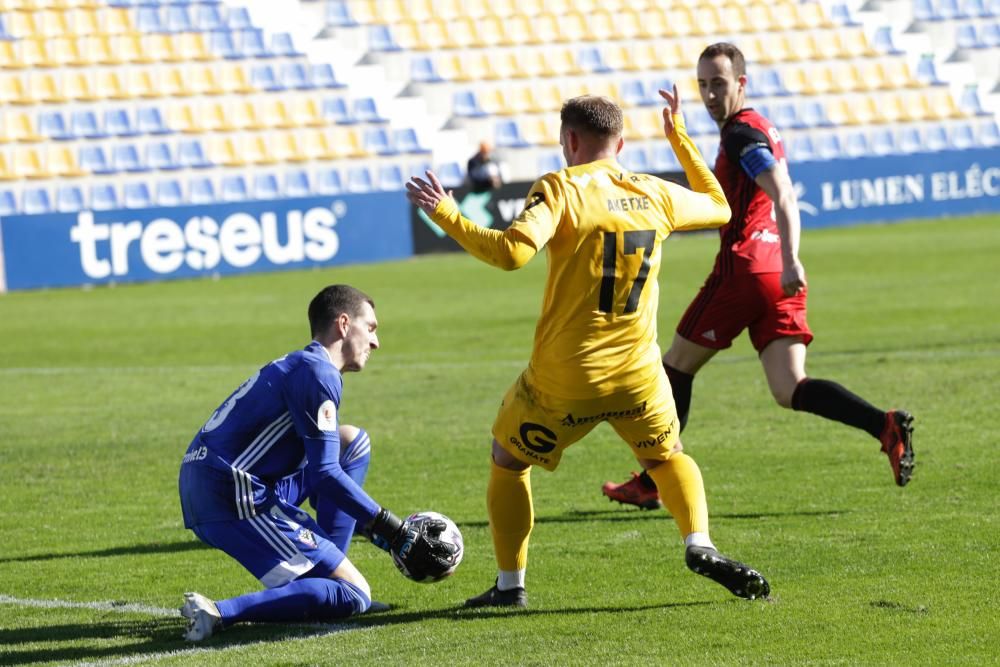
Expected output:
(126, 607)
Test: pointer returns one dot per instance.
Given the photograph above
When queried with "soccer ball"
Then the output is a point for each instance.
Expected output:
(450, 534)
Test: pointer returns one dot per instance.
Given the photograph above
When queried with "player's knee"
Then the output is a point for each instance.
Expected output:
(348, 433)
(783, 396)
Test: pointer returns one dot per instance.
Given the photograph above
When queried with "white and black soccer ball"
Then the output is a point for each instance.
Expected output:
(451, 534)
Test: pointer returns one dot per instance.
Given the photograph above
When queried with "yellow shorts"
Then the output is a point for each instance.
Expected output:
(535, 428)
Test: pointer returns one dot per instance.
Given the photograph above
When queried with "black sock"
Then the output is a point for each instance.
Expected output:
(831, 400)
(680, 385)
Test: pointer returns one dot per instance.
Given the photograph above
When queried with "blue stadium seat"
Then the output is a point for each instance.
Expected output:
(466, 104)
(52, 124)
(69, 199)
(635, 159)
(884, 42)
(699, 122)
(35, 201)
(422, 70)
(927, 71)
(323, 76)
(633, 93)
(335, 109)
(264, 78)
(379, 141)
(191, 154)
(549, 162)
(283, 46)
(92, 159)
(970, 102)
(936, 138)
(297, 183)
(136, 195)
(125, 157)
(169, 193)
(948, 10)
(813, 114)
(118, 123)
(590, 59)
(380, 38)
(8, 203)
(178, 19)
(663, 158)
(207, 17)
(201, 190)
(4, 35)
(147, 20)
(910, 140)
(882, 141)
(390, 178)
(359, 179)
(800, 148)
(297, 76)
(451, 174)
(365, 110)
(989, 35)
(252, 44)
(407, 141)
(149, 120)
(222, 43)
(785, 115)
(233, 187)
(338, 14)
(989, 134)
(238, 18)
(855, 144)
(159, 157)
(962, 136)
(766, 83)
(328, 181)
(103, 197)
(84, 125)
(828, 147)
(265, 186)
(966, 37)
(924, 10)
(508, 134)
(841, 13)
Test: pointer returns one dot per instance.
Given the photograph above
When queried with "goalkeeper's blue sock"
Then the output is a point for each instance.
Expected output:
(301, 600)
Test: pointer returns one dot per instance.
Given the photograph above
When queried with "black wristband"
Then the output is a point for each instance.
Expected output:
(385, 525)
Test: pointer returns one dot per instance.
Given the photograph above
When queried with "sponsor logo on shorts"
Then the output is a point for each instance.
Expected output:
(536, 440)
(199, 454)
(570, 420)
(658, 440)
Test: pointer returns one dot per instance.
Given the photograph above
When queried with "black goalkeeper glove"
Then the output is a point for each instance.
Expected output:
(415, 545)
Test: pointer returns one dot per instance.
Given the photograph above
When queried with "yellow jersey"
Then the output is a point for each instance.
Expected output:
(603, 227)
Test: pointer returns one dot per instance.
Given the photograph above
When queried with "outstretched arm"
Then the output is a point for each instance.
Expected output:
(508, 250)
(778, 186)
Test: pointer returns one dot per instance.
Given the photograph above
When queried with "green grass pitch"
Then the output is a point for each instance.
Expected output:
(101, 391)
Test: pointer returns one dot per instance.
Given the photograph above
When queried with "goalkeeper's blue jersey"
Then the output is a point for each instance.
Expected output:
(279, 422)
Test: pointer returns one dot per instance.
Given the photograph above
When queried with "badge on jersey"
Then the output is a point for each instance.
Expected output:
(326, 419)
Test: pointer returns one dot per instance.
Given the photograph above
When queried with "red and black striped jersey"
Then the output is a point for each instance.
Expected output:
(748, 145)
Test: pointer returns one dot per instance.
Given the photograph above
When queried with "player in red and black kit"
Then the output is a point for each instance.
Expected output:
(758, 282)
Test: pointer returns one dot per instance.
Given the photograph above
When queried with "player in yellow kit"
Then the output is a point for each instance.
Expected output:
(595, 355)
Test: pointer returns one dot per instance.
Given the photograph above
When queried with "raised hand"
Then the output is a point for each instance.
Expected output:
(673, 99)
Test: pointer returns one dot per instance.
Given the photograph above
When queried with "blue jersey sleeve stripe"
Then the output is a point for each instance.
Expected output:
(757, 161)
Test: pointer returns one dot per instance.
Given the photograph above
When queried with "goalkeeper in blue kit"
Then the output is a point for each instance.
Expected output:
(275, 442)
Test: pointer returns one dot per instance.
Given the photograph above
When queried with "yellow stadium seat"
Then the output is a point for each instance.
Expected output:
(8, 56)
(316, 145)
(28, 163)
(306, 113)
(21, 24)
(735, 18)
(6, 173)
(285, 147)
(707, 20)
(244, 115)
(77, 86)
(496, 101)
(223, 151)
(507, 64)
(561, 62)
(517, 30)
(201, 80)
(117, 21)
(14, 91)
(487, 31)
(183, 118)
(452, 9)
(655, 24)
(429, 36)
(642, 123)
(785, 47)
(621, 57)
(172, 83)
(539, 130)
(548, 97)
(45, 88)
(34, 53)
(274, 113)
(233, 79)
(254, 149)
(97, 50)
(141, 83)
(351, 141)
(53, 23)
(940, 104)
(471, 67)
(62, 162)
(85, 22)
(365, 11)
(573, 27)
(826, 44)
(108, 85)
(854, 44)
(546, 29)
(20, 127)
(64, 52)
(895, 73)
(214, 117)
(159, 47)
(502, 9)
(128, 49)
(191, 46)
(809, 15)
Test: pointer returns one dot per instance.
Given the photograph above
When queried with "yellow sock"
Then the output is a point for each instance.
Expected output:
(683, 492)
(508, 503)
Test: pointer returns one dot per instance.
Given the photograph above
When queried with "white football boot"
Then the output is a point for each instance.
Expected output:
(203, 617)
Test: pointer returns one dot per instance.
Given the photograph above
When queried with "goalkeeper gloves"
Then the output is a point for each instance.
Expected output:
(416, 545)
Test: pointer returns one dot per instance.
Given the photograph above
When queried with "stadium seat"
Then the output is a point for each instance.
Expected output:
(265, 186)
(359, 179)
(136, 195)
(159, 157)
(966, 37)
(962, 136)
(910, 140)
(323, 76)
(147, 19)
(378, 140)
(118, 123)
(465, 103)
(93, 160)
(52, 124)
(69, 199)
(263, 77)
(366, 110)
(390, 178)
(855, 144)
(336, 110)
(508, 134)
(451, 174)
(201, 190)
(884, 42)
(422, 70)
(283, 46)
(207, 17)
(168, 193)
(800, 148)
(380, 38)
(61, 162)
(36, 201)
(882, 141)
(233, 79)
(328, 181)
(296, 184)
(989, 134)
(285, 147)
(338, 14)
(149, 120)
(971, 103)
(635, 159)
(125, 157)
(8, 203)
(222, 43)
(663, 159)
(233, 187)
(828, 147)
(590, 60)
(191, 154)
(407, 141)
(296, 76)
(633, 93)
(307, 113)
(103, 197)
(177, 19)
